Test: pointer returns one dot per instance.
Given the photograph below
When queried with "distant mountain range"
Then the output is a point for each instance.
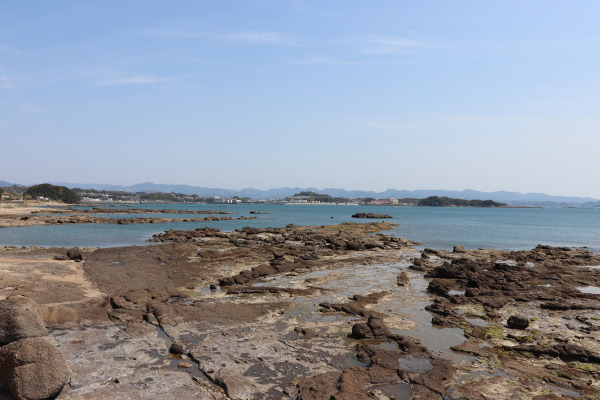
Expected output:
(514, 198)
(4, 184)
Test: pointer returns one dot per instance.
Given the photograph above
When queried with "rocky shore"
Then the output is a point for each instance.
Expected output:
(63, 215)
(315, 312)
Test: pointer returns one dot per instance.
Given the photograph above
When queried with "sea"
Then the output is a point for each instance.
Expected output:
(434, 227)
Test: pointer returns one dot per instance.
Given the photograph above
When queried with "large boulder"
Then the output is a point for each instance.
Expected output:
(20, 318)
(74, 254)
(33, 368)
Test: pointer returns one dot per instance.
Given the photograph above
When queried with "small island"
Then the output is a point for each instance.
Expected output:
(435, 201)
(371, 215)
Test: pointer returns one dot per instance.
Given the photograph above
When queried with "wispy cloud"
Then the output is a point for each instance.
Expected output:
(256, 37)
(6, 82)
(28, 108)
(376, 44)
(301, 6)
(172, 33)
(8, 49)
(112, 78)
(324, 61)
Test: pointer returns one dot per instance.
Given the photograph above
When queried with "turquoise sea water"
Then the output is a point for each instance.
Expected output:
(499, 228)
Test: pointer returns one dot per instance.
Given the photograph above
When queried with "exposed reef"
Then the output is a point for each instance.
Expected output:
(319, 312)
(371, 216)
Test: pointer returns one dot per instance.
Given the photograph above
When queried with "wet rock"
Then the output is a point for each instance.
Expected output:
(518, 322)
(20, 318)
(151, 319)
(444, 314)
(307, 333)
(437, 378)
(458, 269)
(402, 279)
(379, 375)
(438, 287)
(271, 289)
(237, 387)
(378, 327)
(372, 298)
(318, 387)
(33, 368)
(459, 249)
(176, 348)
(74, 254)
(563, 351)
(227, 281)
(361, 331)
(555, 306)
(418, 266)
(347, 385)
(494, 302)
(355, 246)
(138, 296)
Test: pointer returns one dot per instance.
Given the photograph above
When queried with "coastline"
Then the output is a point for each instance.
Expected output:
(55, 214)
(314, 312)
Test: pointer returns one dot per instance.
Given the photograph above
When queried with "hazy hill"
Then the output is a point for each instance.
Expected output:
(511, 198)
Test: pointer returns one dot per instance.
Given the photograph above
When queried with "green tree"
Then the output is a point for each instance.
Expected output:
(52, 192)
(435, 201)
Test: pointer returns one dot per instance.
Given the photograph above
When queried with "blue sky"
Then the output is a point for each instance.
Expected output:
(349, 94)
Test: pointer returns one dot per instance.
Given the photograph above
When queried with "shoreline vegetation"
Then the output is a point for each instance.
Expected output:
(51, 193)
(306, 313)
(435, 201)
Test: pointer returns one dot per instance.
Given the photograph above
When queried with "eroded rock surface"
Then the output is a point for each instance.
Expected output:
(332, 312)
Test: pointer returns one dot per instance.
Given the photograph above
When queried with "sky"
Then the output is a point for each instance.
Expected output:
(341, 94)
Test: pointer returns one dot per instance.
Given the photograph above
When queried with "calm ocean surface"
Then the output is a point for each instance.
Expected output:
(499, 228)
